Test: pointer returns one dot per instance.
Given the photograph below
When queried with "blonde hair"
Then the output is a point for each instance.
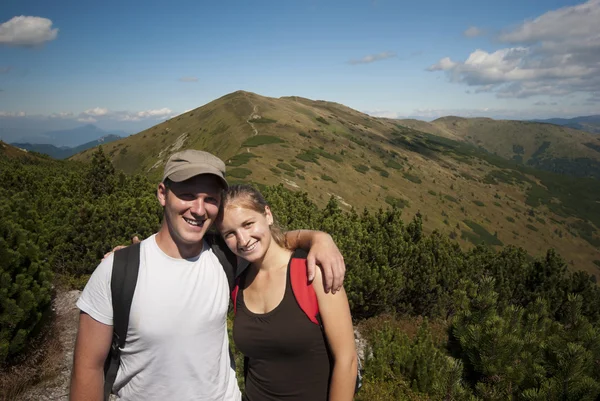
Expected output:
(248, 197)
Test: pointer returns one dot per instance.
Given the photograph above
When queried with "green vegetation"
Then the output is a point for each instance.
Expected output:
(328, 178)
(361, 168)
(450, 198)
(300, 176)
(304, 134)
(326, 155)
(479, 203)
(440, 322)
(531, 227)
(312, 156)
(505, 176)
(240, 159)
(540, 220)
(518, 149)
(393, 164)
(286, 167)
(275, 170)
(239, 172)
(587, 232)
(322, 120)
(382, 172)
(593, 146)
(299, 166)
(396, 202)
(308, 156)
(432, 192)
(479, 235)
(258, 140)
(576, 196)
(59, 218)
(510, 219)
(468, 176)
(497, 204)
(412, 178)
(597, 262)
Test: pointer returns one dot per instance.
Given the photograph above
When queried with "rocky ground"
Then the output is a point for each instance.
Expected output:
(56, 386)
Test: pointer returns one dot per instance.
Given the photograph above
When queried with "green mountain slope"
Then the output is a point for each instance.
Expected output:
(545, 146)
(329, 150)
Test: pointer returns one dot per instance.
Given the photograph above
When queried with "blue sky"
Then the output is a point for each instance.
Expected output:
(132, 64)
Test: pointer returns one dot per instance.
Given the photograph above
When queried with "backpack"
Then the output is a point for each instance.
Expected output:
(305, 296)
(125, 270)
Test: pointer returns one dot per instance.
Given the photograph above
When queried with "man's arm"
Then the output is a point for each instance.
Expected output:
(91, 348)
(322, 250)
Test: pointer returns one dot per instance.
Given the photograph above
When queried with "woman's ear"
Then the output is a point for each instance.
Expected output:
(269, 215)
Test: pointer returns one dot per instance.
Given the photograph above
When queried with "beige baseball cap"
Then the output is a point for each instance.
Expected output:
(190, 163)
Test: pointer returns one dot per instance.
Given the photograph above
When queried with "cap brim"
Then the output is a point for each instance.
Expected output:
(192, 171)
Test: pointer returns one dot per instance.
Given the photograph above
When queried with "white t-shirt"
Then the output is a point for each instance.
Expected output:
(177, 346)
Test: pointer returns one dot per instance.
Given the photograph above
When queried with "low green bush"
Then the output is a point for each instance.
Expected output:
(258, 140)
(239, 172)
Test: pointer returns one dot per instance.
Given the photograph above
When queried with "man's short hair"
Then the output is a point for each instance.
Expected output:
(189, 163)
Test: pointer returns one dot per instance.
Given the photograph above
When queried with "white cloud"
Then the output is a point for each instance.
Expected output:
(580, 21)
(539, 111)
(188, 79)
(87, 120)
(382, 113)
(27, 31)
(62, 115)
(372, 58)
(473, 32)
(442, 65)
(96, 112)
(159, 114)
(12, 113)
(555, 54)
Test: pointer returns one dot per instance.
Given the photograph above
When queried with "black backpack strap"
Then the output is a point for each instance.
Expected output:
(122, 286)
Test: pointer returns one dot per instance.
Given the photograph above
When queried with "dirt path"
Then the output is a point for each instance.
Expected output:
(252, 116)
(56, 387)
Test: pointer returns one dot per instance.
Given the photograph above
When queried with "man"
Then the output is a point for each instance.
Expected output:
(177, 345)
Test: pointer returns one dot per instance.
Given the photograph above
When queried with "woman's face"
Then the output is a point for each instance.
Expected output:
(246, 232)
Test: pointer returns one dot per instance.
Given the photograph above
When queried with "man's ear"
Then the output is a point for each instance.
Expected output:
(269, 215)
(161, 194)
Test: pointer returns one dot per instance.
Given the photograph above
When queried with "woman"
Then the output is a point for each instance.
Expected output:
(287, 355)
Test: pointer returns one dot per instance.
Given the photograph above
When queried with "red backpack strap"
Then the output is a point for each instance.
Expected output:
(234, 294)
(303, 290)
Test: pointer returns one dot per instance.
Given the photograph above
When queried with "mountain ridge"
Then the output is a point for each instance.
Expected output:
(329, 150)
(65, 152)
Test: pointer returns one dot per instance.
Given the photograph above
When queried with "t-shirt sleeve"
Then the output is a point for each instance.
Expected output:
(96, 298)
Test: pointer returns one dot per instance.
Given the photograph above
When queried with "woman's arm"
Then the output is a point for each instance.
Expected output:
(337, 322)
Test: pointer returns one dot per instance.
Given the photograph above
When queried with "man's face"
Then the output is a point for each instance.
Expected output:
(190, 207)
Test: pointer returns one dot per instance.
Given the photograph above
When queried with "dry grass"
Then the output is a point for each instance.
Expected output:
(40, 363)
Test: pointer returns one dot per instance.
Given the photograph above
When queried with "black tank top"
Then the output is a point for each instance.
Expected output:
(287, 355)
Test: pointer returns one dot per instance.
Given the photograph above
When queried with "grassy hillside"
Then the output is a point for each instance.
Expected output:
(327, 149)
(544, 146)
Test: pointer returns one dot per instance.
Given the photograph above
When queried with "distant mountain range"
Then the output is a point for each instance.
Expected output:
(69, 137)
(64, 152)
(584, 123)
